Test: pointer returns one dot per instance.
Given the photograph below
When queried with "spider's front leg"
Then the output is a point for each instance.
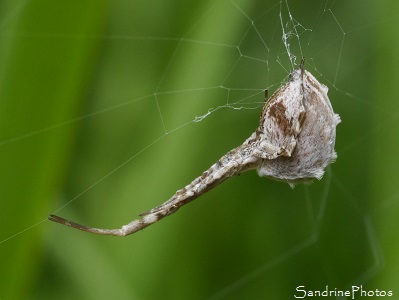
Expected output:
(232, 163)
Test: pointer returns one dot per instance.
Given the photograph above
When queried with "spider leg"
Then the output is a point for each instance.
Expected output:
(233, 163)
(66, 222)
(127, 229)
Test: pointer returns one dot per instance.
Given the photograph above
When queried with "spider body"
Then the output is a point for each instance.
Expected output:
(293, 143)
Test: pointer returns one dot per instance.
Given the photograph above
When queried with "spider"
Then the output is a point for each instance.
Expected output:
(293, 143)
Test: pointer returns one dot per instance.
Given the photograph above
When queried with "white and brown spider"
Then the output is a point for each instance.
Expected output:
(293, 143)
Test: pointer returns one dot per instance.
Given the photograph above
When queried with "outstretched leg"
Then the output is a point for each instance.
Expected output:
(233, 163)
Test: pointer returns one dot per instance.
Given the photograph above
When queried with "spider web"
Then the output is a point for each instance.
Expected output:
(169, 92)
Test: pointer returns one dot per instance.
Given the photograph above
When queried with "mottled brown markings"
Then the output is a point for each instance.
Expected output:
(219, 164)
(204, 175)
(277, 111)
(268, 104)
(181, 192)
(302, 117)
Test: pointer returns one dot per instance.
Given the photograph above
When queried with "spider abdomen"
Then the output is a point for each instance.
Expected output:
(314, 148)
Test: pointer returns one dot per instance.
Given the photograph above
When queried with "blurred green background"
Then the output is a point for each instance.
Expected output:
(96, 103)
